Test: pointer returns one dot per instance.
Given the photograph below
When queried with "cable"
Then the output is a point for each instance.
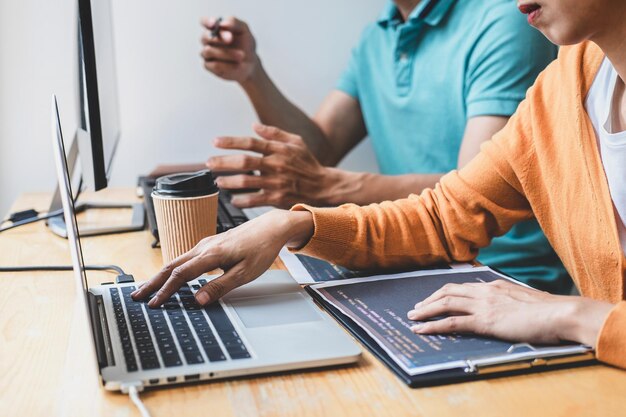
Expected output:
(133, 393)
(79, 189)
(58, 268)
(39, 217)
(32, 220)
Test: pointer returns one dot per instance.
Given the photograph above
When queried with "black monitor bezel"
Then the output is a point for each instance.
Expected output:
(90, 74)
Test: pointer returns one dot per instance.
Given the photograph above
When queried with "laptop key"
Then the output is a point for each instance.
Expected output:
(236, 347)
(228, 335)
(194, 357)
(219, 318)
(152, 363)
(172, 360)
(215, 354)
(239, 354)
(232, 343)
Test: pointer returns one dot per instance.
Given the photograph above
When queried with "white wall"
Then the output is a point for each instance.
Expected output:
(170, 107)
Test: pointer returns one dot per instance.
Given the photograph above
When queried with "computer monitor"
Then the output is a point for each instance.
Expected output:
(98, 134)
(99, 113)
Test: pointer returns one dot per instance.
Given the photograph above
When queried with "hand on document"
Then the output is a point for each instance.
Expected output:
(512, 312)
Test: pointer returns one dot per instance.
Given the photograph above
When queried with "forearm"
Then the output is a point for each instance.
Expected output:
(450, 222)
(364, 188)
(274, 109)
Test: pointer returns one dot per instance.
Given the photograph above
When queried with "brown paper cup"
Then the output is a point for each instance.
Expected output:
(183, 222)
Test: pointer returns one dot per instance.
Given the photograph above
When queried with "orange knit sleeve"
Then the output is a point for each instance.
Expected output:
(611, 346)
(450, 223)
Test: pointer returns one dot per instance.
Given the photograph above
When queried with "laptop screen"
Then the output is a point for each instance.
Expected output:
(73, 236)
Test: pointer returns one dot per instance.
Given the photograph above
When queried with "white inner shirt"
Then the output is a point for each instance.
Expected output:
(612, 144)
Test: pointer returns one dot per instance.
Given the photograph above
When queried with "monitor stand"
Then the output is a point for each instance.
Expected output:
(57, 224)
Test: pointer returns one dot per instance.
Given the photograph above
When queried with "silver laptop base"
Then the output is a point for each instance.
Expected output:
(58, 227)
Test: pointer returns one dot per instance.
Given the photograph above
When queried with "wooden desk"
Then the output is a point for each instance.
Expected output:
(46, 368)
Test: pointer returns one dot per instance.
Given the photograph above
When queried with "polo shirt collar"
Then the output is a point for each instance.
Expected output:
(438, 11)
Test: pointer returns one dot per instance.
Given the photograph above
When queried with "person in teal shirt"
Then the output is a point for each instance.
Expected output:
(429, 82)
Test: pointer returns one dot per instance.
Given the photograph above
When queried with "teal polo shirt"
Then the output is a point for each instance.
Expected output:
(419, 81)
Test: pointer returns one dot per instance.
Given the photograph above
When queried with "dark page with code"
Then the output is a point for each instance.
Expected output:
(380, 307)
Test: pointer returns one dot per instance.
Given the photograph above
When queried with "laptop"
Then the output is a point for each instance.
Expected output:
(269, 325)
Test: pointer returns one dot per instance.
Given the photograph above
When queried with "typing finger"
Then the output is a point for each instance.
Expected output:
(180, 275)
(218, 287)
(159, 279)
(239, 162)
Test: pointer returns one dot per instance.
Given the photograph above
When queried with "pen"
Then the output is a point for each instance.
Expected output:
(215, 30)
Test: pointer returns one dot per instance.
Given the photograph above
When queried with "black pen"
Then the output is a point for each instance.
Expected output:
(215, 30)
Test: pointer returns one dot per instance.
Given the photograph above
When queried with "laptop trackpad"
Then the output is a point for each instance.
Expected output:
(274, 310)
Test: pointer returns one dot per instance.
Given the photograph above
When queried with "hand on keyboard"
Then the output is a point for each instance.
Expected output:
(243, 253)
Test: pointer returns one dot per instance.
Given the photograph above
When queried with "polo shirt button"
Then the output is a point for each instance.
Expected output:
(403, 56)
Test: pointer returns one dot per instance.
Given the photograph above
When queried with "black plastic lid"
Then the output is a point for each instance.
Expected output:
(186, 184)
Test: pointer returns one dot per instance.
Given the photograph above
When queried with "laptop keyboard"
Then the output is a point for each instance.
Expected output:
(192, 332)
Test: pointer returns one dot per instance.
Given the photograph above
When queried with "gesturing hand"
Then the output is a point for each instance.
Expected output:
(289, 173)
(512, 312)
(231, 55)
(243, 253)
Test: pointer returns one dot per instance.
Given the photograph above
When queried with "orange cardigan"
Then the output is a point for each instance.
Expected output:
(545, 163)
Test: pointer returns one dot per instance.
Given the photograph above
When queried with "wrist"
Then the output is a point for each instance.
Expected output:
(252, 82)
(301, 228)
(290, 228)
(583, 321)
(339, 186)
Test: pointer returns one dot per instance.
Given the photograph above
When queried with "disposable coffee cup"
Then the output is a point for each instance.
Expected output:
(186, 211)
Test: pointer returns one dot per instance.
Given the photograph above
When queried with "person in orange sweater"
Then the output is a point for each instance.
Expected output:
(561, 159)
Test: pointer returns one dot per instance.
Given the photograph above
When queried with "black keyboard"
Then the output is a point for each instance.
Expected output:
(228, 216)
(179, 330)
